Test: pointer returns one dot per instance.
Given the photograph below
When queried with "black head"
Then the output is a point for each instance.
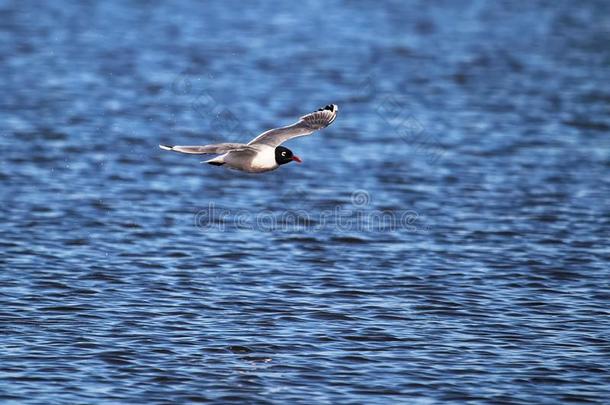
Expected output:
(285, 155)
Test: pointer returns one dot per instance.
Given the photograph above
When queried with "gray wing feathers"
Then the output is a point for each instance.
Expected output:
(215, 149)
(306, 125)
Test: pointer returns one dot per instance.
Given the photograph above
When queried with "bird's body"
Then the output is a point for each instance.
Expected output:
(264, 152)
(259, 161)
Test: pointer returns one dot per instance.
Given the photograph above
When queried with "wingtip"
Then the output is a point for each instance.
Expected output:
(166, 147)
(334, 108)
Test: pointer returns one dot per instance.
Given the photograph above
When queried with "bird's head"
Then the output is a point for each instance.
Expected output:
(284, 155)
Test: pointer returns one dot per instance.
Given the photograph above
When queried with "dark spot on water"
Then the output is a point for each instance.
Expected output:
(239, 349)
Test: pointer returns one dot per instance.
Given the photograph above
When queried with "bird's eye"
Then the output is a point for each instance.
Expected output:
(283, 153)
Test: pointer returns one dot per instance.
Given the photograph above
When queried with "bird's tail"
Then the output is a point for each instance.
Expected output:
(217, 161)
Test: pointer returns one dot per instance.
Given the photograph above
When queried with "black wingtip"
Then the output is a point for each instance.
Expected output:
(330, 107)
(166, 147)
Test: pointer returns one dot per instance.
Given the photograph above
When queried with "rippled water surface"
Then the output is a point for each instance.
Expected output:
(445, 240)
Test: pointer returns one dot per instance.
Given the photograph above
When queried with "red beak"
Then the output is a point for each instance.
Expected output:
(297, 159)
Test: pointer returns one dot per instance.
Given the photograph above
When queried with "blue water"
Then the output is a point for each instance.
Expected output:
(444, 241)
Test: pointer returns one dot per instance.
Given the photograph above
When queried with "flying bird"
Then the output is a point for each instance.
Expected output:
(263, 153)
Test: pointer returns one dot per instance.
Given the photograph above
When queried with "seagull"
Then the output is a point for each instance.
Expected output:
(263, 153)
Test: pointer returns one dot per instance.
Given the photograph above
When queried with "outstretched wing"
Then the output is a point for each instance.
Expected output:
(306, 125)
(215, 149)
